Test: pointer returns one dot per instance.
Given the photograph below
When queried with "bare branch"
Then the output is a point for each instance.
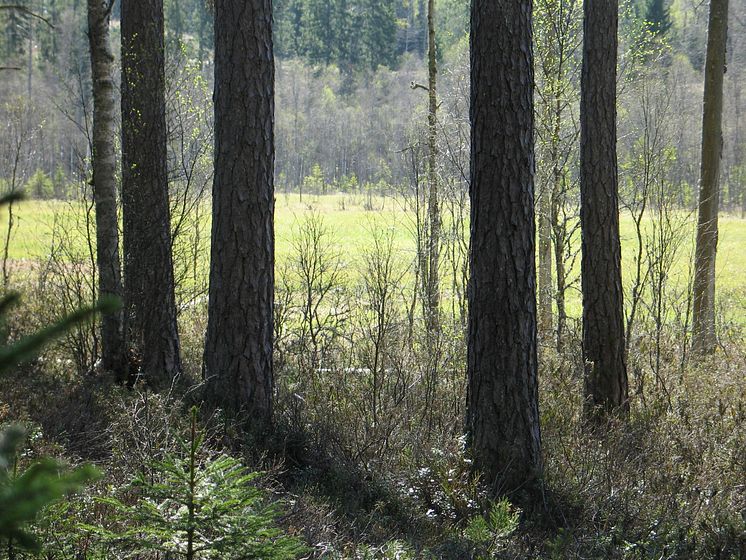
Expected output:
(109, 6)
(25, 10)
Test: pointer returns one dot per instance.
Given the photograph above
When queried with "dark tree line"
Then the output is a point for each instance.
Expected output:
(349, 33)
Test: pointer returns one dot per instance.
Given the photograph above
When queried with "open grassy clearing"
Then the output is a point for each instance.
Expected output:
(351, 222)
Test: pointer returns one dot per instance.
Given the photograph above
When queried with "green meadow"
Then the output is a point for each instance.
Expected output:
(352, 219)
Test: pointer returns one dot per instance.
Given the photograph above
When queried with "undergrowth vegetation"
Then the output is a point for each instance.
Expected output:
(367, 459)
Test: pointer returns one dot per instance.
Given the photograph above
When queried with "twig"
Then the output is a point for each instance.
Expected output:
(25, 10)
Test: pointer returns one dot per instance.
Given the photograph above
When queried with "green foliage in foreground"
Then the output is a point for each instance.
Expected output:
(499, 522)
(23, 494)
(196, 507)
(26, 348)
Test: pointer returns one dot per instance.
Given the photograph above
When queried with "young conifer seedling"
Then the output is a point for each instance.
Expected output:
(196, 506)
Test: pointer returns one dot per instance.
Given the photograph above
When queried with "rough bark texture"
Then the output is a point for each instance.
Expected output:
(603, 315)
(502, 409)
(148, 268)
(105, 183)
(433, 206)
(704, 339)
(238, 351)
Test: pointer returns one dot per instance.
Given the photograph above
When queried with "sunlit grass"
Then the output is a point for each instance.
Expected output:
(351, 219)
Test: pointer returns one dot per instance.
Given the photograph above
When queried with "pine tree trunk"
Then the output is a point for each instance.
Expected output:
(603, 319)
(105, 184)
(148, 268)
(502, 412)
(704, 338)
(238, 350)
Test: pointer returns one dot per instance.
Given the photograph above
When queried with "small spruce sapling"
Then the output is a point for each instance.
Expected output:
(486, 531)
(196, 507)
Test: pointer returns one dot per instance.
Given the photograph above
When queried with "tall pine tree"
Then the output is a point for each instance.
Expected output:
(606, 387)
(238, 347)
(148, 263)
(503, 410)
